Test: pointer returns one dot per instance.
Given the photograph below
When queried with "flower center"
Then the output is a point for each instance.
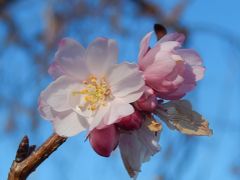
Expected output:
(95, 93)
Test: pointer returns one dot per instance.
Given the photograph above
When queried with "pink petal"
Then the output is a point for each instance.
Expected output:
(104, 141)
(158, 53)
(174, 79)
(155, 73)
(177, 70)
(160, 68)
(144, 46)
(148, 59)
(190, 56)
(169, 46)
(170, 85)
(187, 85)
(69, 59)
(188, 75)
(153, 54)
(101, 55)
(179, 37)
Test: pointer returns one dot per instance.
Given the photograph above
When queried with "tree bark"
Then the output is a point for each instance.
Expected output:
(27, 159)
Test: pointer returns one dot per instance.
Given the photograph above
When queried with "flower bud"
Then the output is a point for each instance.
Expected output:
(104, 141)
(148, 101)
(131, 122)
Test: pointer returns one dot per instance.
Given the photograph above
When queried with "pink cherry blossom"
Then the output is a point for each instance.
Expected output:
(105, 140)
(169, 70)
(131, 122)
(90, 89)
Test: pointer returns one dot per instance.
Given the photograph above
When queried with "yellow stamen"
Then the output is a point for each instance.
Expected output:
(76, 93)
(95, 93)
(155, 126)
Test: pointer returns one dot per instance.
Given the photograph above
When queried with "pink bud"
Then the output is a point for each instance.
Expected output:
(148, 101)
(131, 122)
(168, 69)
(104, 141)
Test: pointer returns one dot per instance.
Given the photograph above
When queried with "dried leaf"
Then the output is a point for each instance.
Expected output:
(180, 116)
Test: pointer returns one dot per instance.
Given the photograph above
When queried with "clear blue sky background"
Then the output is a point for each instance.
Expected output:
(216, 97)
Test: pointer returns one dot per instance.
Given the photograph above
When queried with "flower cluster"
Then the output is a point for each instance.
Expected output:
(117, 103)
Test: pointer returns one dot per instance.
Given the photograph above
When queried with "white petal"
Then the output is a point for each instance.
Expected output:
(133, 96)
(76, 100)
(137, 147)
(118, 109)
(132, 153)
(101, 55)
(121, 71)
(99, 116)
(70, 59)
(70, 124)
(45, 110)
(125, 79)
(56, 94)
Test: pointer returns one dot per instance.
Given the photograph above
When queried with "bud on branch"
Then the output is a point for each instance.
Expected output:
(28, 159)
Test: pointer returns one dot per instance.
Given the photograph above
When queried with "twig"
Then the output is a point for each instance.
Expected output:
(28, 159)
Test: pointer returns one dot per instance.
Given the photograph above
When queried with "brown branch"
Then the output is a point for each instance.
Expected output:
(27, 159)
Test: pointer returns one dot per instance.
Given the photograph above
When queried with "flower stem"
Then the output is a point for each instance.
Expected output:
(27, 159)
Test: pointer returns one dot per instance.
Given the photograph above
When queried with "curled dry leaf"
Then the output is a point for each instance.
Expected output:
(180, 116)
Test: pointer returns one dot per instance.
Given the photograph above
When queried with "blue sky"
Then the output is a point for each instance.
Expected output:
(216, 97)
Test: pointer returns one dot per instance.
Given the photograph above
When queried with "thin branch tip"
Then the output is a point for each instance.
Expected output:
(28, 158)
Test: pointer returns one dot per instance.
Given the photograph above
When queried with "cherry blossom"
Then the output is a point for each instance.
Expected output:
(121, 104)
(90, 89)
(168, 69)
